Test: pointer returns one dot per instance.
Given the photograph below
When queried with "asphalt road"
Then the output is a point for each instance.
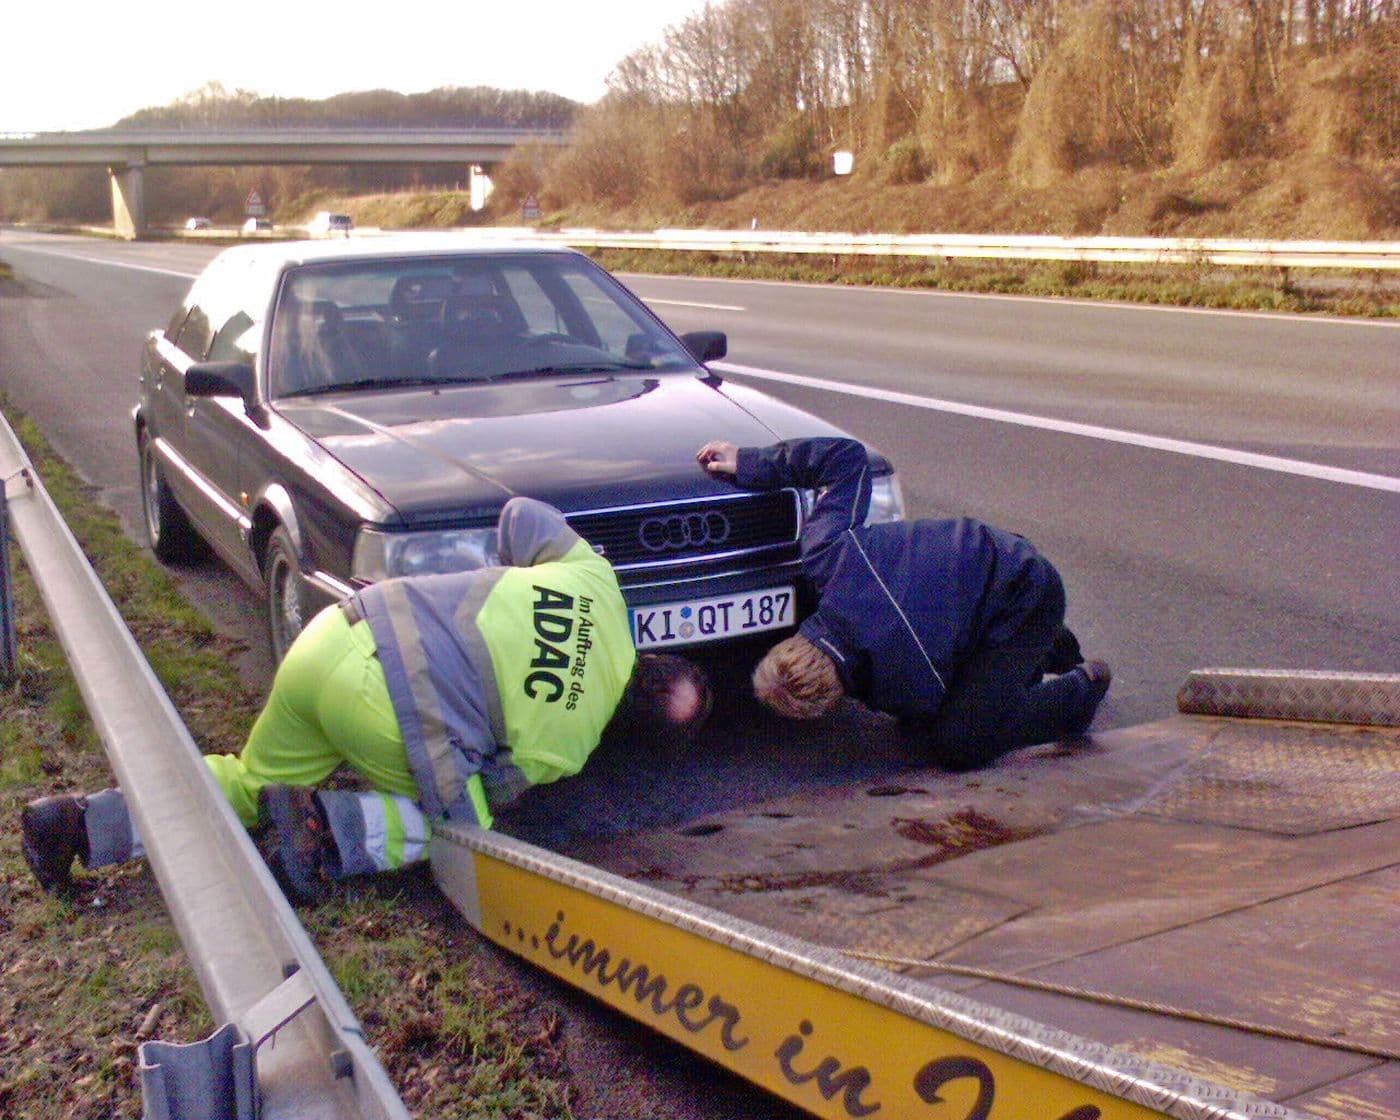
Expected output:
(1200, 553)
(1172, 560)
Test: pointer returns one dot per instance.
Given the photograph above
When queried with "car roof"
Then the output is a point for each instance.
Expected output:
(397, 246)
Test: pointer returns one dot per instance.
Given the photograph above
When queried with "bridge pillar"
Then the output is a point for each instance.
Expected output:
(129, 201)
(480, 184)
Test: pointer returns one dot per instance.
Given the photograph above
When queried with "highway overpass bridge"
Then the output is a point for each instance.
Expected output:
(126, 154)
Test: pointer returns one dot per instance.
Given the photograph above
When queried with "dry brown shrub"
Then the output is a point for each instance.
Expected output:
(1068, 112)
(1321, 197)
(890, 114)
(604, 163)
(694, 159)
(627, 151)
(1214, 113)
(522, 174)
(790, 150)
(1165, 204)
(966, 133)
(1348, 105)
(903, 162)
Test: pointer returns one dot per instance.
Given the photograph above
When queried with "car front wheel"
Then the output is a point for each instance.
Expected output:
(173, 539)
(286, 605)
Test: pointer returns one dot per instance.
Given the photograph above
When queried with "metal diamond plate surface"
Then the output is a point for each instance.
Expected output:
(1287, 779)
(1364, 698)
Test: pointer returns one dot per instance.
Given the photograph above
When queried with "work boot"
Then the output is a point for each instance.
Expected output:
(302, 848)
(1099, 676)
(52, 832)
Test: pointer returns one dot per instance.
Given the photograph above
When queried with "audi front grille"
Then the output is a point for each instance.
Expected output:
(677, 531)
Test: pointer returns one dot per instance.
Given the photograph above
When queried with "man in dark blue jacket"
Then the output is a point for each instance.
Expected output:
(948, 625)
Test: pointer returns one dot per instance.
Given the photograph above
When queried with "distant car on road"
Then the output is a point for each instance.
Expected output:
(257, 225)
(325, 414)
(192, 224)
(328, 224)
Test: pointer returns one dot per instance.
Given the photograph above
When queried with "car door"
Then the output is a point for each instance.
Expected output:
(167, 356)
(217, 430)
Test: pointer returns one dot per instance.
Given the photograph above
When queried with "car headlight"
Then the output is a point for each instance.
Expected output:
(886, 500)
(379, 555)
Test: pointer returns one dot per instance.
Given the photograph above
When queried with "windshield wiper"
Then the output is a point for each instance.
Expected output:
(570, 367)
(380, 383)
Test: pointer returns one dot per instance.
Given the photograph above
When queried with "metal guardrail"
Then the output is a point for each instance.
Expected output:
(1360, 255)
(260, 974)
(9, 658)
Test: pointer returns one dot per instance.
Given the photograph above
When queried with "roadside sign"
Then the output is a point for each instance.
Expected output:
(254, 207)
(530, 212)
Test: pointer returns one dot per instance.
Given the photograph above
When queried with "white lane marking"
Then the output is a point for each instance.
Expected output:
(689, 303)
(1092, 431)
(1070, 427)
(99, 260)
(1056, 301)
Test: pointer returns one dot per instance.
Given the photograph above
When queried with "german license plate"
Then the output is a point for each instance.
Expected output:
(709, 620)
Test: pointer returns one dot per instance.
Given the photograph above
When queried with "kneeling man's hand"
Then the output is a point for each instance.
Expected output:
(719, 457)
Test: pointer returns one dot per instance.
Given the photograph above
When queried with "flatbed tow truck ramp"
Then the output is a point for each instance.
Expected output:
(1195, 918)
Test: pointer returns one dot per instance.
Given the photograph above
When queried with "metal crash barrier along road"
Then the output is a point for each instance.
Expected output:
(1366, 256)
(290, 1046)
(9, 660)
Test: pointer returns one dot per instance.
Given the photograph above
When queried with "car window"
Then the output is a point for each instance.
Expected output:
(177, 320)
(194, 334)
(225, 304)
(540, 312)
(479, 316)
(235, 341)
(622, 328)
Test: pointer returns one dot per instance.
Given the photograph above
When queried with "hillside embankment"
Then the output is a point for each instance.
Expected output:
(1275, 200)
(1309, 198)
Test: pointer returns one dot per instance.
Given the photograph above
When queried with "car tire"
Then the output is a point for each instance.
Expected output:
(286, 603)
(168, 529)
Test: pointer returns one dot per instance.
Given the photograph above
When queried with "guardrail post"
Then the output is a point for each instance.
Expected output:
(9, 658)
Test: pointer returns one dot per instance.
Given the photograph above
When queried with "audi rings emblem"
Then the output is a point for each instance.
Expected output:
(683, 530)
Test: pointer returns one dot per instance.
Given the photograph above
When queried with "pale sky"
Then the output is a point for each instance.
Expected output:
(64, 67)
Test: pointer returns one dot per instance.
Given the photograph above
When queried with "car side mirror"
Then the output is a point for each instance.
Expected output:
(706, 346)
(225, 379)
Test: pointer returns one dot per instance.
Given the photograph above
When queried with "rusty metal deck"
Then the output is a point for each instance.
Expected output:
(1217, 894)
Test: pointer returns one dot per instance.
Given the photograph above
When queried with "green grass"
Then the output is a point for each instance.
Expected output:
(79, 977)
(452, 1034)
(1178, 286)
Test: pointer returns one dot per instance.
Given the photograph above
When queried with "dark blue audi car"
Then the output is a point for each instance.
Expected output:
(326, 414)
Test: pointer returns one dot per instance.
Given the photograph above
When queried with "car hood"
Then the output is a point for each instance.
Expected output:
(447, 453)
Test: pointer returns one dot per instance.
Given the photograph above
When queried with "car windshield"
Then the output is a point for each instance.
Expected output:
(375, 324)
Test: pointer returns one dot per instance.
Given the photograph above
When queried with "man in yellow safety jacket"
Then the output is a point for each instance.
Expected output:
(446, 693)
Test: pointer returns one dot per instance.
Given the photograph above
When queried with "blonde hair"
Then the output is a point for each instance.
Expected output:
(797, 680)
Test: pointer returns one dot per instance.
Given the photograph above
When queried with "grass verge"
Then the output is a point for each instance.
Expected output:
(84, 981)
(1177, 286)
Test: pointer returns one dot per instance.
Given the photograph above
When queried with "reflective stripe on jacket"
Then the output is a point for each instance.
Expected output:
(511, 672)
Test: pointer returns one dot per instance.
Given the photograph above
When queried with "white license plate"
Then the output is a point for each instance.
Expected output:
(708, 620)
